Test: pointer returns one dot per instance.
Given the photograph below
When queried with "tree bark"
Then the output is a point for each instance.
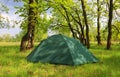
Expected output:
(110, 24)
(86, 23)
(27, 41)
(98, 24)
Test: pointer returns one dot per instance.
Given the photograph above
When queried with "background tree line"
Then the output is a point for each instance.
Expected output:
(94, 20)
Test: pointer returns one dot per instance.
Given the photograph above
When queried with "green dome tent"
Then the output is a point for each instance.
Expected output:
(60, 49)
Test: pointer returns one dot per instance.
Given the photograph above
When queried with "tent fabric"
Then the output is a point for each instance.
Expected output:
(60, 49)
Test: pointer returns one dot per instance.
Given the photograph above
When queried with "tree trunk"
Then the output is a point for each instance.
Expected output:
(98, 24)
(86, 23)
(68, 21)
(27, 41)
(110, 25)
(81, 35)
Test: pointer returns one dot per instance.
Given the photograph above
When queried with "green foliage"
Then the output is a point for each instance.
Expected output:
(3, 8)
(42, 25)
(41, 18)
(116, 31)
(58, 21)
(4, 22)
(14, 64)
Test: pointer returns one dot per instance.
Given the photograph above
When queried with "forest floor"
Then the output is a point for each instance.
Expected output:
(13, 63)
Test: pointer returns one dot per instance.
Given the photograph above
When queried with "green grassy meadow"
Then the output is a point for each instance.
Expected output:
(13, 64)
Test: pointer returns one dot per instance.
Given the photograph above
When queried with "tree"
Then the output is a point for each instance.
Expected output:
(61, 15)
(116, 22)
(70, 15)
(34, 22)
(98, 23)
(27, 41)
(81, 36)
(86, 23)
(68, 20)
(110, 24)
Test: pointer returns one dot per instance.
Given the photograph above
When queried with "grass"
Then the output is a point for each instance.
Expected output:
(13, 64)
